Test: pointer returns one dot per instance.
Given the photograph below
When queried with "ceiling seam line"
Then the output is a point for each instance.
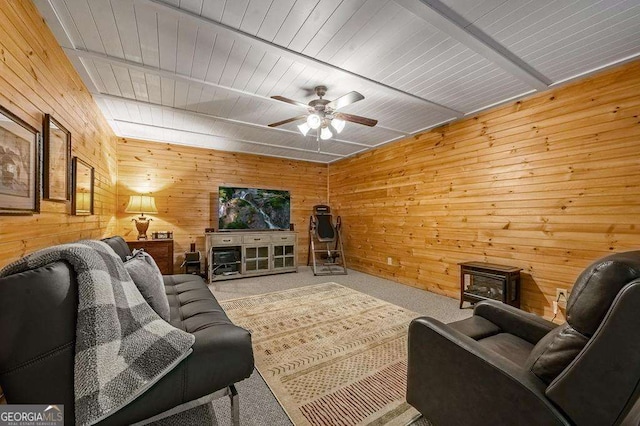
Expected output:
(212, 116)
(297, 57)
(448, 21)
(184, 78)
(229, 139)
(591, 71)
(91, 79)
(144, 139)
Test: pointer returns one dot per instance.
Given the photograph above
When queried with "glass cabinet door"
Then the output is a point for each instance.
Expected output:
(283, 256)
(256, 258)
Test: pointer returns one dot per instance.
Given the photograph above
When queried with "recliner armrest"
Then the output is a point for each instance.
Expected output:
(600, 385)
(525, 325)
(453, 380)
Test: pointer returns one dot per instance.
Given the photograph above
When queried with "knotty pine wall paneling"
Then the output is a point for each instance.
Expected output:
(185, 180)
(549, 184)
(37, 78)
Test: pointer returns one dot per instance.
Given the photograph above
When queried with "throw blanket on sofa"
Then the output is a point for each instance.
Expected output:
(122, 345)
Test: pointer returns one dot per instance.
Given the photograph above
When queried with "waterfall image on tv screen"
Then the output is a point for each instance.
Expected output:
(250, 208)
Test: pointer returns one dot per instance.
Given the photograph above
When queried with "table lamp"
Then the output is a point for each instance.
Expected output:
(141, 204)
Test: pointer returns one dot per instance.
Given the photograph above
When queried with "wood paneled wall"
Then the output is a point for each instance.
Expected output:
(184, 181)
(37, 78)
(549, 184)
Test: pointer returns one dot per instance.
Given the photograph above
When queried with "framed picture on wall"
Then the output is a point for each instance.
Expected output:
(56, 173)
(20, 155)
(82, 191)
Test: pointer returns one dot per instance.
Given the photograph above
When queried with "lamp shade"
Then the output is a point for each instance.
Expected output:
(314, 121)
(338, 124)
(141, 204)
(304, 128)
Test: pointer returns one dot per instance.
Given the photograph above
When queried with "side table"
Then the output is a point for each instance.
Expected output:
(160, 250)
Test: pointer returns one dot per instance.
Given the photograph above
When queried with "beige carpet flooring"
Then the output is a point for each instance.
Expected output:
(258, 406)
(331, 355)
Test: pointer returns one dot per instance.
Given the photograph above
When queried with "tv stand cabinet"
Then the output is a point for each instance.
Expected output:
(244, 254)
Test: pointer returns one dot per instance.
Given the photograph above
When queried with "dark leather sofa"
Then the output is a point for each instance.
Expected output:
(506, 366)
(37, 337)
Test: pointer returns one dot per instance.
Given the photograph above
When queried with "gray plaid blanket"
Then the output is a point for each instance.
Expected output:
(117, 357)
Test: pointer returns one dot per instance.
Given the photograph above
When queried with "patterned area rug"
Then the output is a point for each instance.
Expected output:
(331, 355)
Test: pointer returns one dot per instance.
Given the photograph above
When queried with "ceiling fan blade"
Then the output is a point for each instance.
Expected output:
(290, 101)
(356, 119)
(345, 100)
(289, 120)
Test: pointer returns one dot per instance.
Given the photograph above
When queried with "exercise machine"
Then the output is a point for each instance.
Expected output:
(326, 253)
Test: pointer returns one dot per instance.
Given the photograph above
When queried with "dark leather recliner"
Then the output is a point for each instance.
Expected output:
(506, 366)
(38, 310)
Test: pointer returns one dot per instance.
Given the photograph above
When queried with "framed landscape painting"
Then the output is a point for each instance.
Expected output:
(20, 151)
(56, 173)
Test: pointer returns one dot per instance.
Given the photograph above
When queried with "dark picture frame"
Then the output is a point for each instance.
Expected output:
(56, 170)
(82, 188)
(20, 157)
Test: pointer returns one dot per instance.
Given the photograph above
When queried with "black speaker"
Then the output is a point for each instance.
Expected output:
(193, 247)
(191, 262)
(192, 257)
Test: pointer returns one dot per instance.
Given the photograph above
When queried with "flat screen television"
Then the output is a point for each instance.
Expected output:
(253, 209)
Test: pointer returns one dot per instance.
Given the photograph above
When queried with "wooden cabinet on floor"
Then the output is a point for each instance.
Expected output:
(160, 250)
(241, 254)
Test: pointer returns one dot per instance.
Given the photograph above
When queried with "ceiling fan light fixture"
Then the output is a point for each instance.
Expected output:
(325, 133)
(338, 124)
(314, 121)
(304, 128)
(321, 115)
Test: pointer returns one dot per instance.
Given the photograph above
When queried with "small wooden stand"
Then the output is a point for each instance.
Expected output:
(487, 281)
(160, 250)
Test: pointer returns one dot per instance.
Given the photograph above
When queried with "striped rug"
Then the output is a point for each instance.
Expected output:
(331, 355)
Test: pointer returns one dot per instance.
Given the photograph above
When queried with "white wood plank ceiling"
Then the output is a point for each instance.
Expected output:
(201, 72)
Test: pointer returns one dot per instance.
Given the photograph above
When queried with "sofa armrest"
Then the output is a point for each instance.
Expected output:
(221, 356)
(525, 325)
(451, 379)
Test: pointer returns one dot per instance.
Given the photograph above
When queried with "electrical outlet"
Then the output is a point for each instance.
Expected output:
(562, 296)
(389, 261)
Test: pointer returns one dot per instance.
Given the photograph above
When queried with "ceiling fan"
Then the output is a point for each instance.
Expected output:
(322, 114)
